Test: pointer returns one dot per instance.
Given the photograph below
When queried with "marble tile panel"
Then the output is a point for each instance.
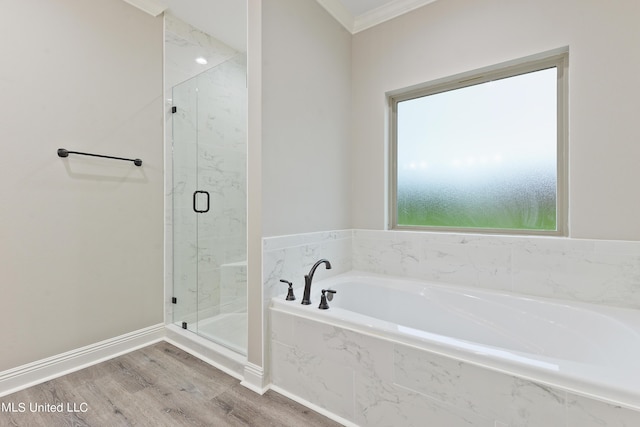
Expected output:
(291, 257)
(281, 326)
(280, 264)
(208, 290)
(233, 287)
(485, 393)
(383, 404)
(339, 252)
(292, 240)
(313, 253)
(364, 354)
(609, 278)
(234, 248)
(183, 43)
(617, 247)
(392, 254)
(602, 272)
(313, 378)
(585, 412)
(468, 264)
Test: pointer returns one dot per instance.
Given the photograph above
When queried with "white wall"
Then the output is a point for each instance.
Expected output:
(306, 119)
(453, 36)
(81, 238)
(299, 89)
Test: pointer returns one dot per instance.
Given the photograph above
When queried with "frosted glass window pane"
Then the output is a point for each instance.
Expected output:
(483, 156)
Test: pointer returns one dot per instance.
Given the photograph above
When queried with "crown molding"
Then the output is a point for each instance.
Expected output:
(374, 17)
(339, 13)
(152, 7)
(386, 12)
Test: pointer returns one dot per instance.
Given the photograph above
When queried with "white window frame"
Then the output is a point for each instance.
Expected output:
(557, 58)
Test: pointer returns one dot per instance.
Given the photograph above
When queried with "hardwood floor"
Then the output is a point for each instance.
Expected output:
(159, 385)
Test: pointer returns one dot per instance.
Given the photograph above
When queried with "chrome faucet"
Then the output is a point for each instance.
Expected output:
(309, 277)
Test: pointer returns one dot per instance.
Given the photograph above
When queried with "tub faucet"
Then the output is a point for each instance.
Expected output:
(309, 277)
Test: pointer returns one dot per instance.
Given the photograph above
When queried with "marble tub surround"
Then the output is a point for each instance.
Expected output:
(367, 380)
(571, 346)
(364, 379)
(291, 257)
(595, 271)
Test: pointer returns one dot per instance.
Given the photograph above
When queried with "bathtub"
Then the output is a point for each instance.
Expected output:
(585, 349)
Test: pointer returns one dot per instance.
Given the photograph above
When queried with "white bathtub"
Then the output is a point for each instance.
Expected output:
(586, 349)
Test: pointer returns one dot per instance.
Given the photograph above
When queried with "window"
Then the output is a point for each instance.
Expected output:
(483, 151)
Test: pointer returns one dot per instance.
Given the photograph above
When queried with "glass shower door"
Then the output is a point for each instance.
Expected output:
(209, 221)
(185, 244)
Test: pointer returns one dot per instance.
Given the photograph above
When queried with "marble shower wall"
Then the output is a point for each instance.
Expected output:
(221, 169)
(206, 150)
(184, 43)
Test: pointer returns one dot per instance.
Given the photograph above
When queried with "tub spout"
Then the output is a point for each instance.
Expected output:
(308, 278)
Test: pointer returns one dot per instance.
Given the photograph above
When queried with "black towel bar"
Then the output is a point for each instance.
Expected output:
(65, 153)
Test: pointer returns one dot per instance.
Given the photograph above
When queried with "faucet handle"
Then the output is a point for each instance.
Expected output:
(323, 299)
(290, 295)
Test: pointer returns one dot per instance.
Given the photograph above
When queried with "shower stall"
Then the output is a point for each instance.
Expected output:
(209, 148)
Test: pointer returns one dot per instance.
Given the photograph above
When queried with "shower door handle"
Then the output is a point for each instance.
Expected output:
(195, 199)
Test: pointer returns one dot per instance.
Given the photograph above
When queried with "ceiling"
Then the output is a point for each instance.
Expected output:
(226, 19)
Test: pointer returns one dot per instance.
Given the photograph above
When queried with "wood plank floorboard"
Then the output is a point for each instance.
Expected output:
(159, 385)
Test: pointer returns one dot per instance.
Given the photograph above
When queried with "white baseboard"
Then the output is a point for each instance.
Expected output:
(254, 378)
(43, 370)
